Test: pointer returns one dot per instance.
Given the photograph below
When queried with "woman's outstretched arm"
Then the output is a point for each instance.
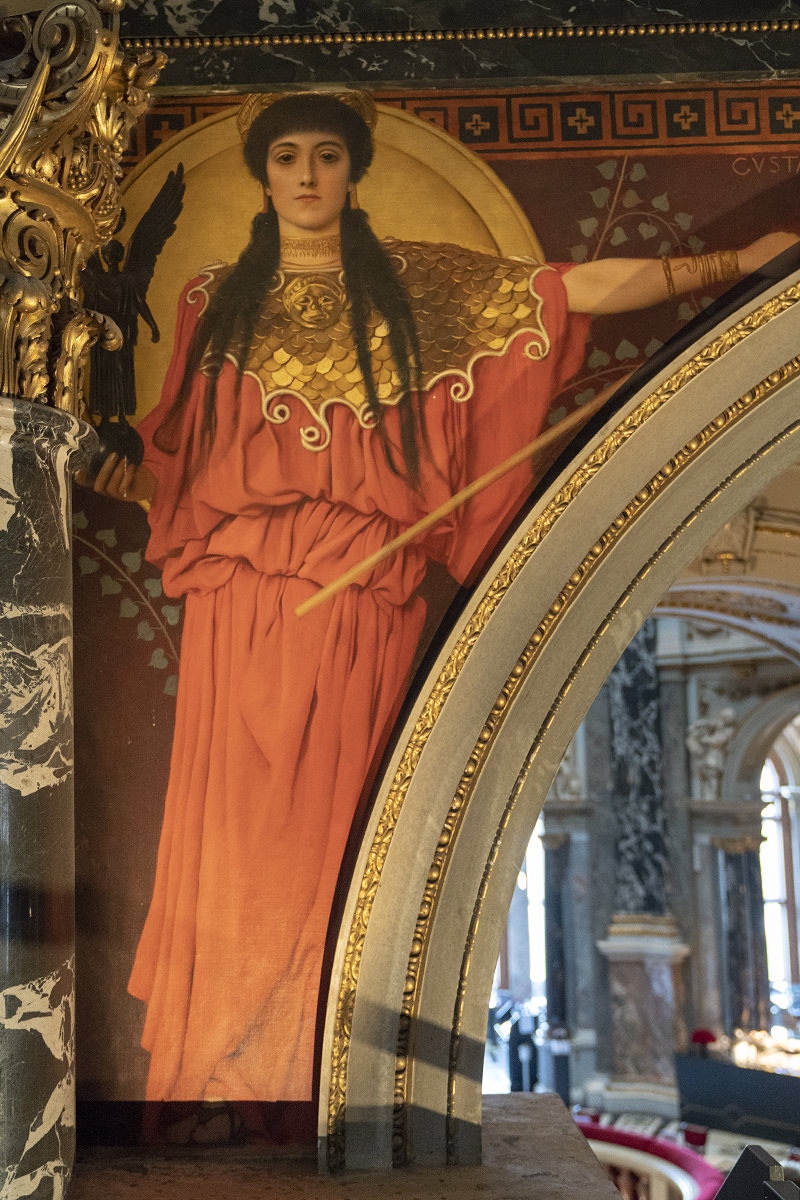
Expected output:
(613, 285)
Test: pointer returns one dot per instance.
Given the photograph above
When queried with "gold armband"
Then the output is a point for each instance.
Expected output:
(668, 274)
(720, 267)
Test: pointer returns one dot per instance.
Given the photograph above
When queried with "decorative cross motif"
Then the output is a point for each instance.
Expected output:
(581, 121)
(476, 125)
(686, 117)
(788, 116)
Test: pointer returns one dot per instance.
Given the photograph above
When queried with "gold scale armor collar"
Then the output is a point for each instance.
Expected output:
(467, 305)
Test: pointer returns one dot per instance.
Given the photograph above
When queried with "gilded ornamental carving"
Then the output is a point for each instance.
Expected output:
(68, 99)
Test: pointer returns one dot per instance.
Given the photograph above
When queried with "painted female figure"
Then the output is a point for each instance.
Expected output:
(325, 393)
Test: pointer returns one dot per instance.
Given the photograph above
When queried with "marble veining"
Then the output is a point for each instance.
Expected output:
(44, 1009)
(633, 695)
(37, 1114)
(663, 55)
(642, 1002)
(35, 708)
(186, 17)
(8, 495)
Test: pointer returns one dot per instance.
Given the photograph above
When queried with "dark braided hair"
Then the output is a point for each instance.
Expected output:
(228, 324)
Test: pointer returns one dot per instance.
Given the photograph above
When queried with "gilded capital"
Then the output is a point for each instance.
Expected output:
(68, 101)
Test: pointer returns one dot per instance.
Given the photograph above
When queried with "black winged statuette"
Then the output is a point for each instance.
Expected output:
(119, 290)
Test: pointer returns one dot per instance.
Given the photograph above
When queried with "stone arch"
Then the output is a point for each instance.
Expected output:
(752, 742)
(639, 497)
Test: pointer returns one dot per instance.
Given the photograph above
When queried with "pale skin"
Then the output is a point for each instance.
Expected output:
(308, 178)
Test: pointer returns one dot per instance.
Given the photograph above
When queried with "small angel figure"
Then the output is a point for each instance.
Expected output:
(118, 289)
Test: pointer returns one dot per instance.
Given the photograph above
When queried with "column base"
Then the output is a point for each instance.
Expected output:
(644, 954)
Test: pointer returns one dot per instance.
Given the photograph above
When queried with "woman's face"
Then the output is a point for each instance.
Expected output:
(307, 178)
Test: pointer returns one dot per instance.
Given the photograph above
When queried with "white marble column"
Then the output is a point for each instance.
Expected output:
(38, 448)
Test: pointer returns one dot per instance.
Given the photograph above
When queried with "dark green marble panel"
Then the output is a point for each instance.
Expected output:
(620, 38)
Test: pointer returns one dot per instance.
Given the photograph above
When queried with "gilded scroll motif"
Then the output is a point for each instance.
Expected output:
(68, 101)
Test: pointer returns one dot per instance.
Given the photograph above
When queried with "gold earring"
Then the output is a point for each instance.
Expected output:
(353, 196)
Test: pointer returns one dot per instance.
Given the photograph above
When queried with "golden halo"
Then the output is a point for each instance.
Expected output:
(258, 102)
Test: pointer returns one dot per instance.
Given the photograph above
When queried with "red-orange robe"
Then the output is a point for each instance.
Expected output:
(278, 718)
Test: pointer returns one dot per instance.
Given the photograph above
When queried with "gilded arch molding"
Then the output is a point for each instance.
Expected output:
(404, 1037)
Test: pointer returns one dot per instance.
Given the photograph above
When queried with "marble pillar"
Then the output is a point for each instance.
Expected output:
(730, 979)
(635, 720)
(745, 994)
(643, 948)
(38, 448)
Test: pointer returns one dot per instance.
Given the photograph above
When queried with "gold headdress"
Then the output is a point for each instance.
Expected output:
(257, 103)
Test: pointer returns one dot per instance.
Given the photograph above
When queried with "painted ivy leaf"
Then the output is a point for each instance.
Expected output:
(631, 198)
(651, 347)
(88, 565)
(579, 253)
(598, 358)
(647, 230)
(557, 415)
(683, 220)
(685, 311)
(625, 350)
(109, 586)
(127, 607)
(587, 226)
(171, 686)
(585, 397)
(696, 245)
(153, 587)
(661, 202)
(608, 168)
(638, 172)
(600, 197)
(80, 520)
(107, 536)
(618, 236)
(171, 613)
(665, 247)
(132, 560)
(145, 632)
(705, 301)
(158, 659)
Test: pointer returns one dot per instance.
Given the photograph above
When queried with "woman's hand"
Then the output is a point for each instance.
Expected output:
(763, 249)
(121, 479)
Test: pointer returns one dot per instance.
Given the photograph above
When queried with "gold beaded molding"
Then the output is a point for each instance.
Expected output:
(405, 36)
(337, 1094)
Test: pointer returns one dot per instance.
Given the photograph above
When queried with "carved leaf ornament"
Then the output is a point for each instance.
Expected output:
(68, 100)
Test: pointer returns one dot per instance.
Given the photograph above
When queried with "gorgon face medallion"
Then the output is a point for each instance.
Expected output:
(315, 301)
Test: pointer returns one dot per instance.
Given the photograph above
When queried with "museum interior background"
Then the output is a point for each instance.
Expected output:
(670, 842)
